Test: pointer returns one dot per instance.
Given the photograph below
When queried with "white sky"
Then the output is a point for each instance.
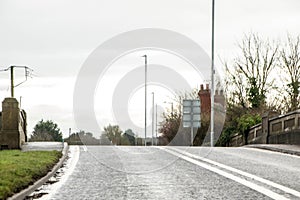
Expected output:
(55, 37)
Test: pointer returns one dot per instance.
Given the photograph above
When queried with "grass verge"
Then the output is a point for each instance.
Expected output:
(19, 169)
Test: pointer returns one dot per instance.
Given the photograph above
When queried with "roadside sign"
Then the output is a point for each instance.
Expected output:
(191, 115)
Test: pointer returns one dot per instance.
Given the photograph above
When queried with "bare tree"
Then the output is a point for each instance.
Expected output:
(290, 64)
(235, 87)
(249, 75)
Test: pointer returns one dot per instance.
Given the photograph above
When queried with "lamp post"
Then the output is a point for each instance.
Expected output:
(145, 56)
(212, 91)
(156, 124)
(153, 109)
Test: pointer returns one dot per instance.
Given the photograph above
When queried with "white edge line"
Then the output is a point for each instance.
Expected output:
(244, 182)
(75, 151)
(262, 180)
(270, 152)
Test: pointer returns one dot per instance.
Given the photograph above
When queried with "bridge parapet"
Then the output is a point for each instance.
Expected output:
(285, 129)
(280, 129)
(274, 129)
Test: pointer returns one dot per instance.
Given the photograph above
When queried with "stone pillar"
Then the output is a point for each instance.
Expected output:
(10, 137)
(265, 126)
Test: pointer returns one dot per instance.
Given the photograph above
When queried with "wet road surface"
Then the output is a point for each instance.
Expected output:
(120, 172)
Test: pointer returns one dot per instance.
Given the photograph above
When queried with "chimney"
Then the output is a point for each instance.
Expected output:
(204, 96)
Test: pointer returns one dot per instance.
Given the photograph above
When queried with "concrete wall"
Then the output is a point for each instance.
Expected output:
(236, 140)
(274, 129)
(256, 135)
(285, 129)
(13, 129)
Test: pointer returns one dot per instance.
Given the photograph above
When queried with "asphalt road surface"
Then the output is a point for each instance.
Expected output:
(120, 172)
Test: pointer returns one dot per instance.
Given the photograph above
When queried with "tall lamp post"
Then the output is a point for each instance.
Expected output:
(153, 109)
(156, 124)
(212, 77)
(145, 56)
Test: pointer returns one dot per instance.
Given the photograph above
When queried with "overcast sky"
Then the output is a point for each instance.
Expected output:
(55, 37)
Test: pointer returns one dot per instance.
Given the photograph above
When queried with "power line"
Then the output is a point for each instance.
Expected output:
(28, 72)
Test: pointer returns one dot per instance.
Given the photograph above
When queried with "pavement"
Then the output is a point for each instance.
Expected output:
(43, 146)
(282, 148)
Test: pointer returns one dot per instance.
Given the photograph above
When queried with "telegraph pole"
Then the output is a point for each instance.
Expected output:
(12, 81)
(12, 85)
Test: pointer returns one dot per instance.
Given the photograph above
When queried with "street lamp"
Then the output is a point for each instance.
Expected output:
(153, 109)
(212, 100)
(145, 56)
(156, 124)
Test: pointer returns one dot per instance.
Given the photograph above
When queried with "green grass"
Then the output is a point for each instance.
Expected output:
(19, 169)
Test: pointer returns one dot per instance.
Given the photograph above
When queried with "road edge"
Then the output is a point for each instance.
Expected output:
(274, 149)
(23, 193)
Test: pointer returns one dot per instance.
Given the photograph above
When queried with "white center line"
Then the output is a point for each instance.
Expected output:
(244, 182)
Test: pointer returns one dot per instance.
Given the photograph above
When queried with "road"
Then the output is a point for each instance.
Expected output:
(120, 172)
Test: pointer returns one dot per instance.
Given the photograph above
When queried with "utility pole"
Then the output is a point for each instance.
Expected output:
(12, 85)
(12, 81)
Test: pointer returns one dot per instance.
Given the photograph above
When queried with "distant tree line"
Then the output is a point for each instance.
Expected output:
(111, 135)
(82, 138)
(115, 136)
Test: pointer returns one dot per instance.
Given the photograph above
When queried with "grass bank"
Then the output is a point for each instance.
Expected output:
(20, 169)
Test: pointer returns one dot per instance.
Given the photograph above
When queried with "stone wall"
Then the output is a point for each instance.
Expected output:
(13, 129)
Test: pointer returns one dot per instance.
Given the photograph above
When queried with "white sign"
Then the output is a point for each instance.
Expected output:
(191, 113)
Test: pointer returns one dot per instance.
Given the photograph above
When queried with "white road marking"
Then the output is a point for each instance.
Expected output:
(70, 166)
(271, 152)
(262, 180)
(244, 182)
